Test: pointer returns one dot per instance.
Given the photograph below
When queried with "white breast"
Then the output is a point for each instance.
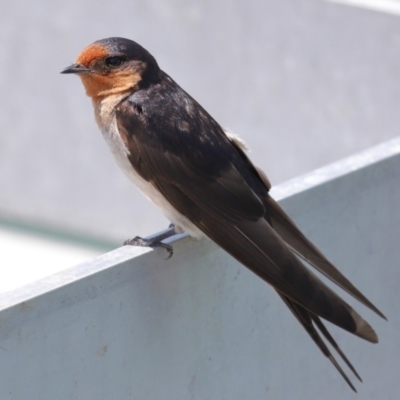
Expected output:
(106, 119)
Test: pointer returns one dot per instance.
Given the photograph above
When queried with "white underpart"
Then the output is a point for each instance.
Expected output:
(236, 139)
(106, 119)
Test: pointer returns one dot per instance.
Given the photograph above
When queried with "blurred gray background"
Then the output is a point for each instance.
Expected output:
(304, 82)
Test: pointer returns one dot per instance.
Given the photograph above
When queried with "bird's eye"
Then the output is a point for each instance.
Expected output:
(114, 61)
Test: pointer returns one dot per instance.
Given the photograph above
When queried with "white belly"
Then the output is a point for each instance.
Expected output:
(118, 148)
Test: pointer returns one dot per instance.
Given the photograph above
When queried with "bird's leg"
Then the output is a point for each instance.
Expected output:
(155, 241)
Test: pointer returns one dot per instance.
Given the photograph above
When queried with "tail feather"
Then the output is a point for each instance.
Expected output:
(260, 248)
(289, 232)
(333, 343)
(267, 245)
(306, 319)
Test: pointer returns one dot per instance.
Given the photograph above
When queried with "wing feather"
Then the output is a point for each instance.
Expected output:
(207, 177)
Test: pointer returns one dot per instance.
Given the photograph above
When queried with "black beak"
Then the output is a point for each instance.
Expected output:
(76, 69)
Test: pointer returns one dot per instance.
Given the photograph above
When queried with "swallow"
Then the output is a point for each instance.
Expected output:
(200, 177)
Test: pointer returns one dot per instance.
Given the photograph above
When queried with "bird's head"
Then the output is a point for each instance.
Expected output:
(114, 66)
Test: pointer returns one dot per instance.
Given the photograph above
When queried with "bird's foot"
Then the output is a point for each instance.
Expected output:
(138, 241)
(155, 241)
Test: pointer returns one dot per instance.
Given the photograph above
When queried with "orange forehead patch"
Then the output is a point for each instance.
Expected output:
(90, 53)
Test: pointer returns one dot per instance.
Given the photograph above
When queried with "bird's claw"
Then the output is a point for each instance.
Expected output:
(154, 242)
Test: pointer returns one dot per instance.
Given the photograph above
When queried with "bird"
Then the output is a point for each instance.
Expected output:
(200, 176)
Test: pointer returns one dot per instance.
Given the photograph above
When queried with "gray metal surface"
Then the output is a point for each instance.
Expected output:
(304, 82)
(131, 325)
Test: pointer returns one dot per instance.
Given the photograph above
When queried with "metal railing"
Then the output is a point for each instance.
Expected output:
(132, 325)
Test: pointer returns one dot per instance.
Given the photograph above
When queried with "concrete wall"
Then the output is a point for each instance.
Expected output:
(131, 325)
(304, 82)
